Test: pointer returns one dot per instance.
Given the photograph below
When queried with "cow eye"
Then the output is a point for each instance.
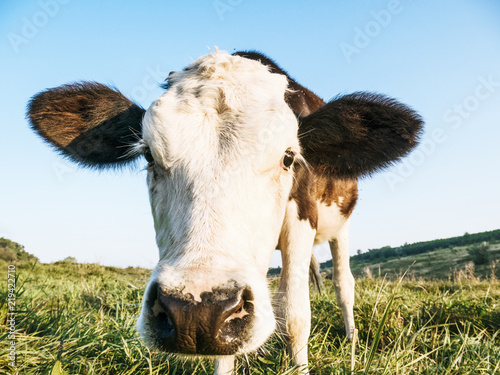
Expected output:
(288, 159)
(148, 156)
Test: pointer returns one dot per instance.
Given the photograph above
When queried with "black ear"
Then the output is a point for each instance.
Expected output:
(358, 134)
(90, 123)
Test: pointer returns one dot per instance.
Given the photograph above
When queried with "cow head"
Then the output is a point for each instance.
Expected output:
(222, 144)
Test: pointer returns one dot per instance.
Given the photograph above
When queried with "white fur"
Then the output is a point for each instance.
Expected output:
(330, 222)
(342, 277)
(292, 300)
(334, 227)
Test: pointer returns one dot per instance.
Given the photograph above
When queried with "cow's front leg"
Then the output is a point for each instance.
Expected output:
(343, 279)
(292, 306)
(224, 365)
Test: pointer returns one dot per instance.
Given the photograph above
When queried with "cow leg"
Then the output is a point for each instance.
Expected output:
(224, 365)
(292, 306)
(342, 277)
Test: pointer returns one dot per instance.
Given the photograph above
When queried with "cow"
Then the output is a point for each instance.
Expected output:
(241, 160)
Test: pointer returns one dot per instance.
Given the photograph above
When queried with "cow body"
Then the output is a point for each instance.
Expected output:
(240, 158)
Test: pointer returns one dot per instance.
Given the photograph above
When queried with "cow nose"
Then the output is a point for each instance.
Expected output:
(215, 324)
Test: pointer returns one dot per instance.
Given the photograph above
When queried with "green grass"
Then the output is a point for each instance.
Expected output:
(81, 318)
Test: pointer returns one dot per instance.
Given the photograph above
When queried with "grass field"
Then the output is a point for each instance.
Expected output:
(80, 319)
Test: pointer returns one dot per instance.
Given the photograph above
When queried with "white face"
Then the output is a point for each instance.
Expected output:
(220, 137)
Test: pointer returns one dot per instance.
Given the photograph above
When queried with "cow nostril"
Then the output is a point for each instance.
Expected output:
(237, 312)
(165, 326)
(152, 295)
(236, 320)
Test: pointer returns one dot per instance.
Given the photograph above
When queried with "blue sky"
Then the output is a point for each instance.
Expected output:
(440, 57)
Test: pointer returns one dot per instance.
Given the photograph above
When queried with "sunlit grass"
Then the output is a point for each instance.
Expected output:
(81, 318)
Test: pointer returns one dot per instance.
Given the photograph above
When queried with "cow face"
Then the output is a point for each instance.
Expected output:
(222, 145)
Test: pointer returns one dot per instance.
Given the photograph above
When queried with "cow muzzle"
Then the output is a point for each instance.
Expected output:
(217, 323)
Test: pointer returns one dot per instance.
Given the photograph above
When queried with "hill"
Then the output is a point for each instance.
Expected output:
(442, 258)
(388, 252)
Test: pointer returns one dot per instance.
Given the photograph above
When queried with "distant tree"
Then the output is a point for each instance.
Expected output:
(11, 251)
(8, 254)
(69, 260)
(358, 252)
(479, 254)
(465, 238)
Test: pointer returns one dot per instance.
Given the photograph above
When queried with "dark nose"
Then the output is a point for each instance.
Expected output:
(216, 325)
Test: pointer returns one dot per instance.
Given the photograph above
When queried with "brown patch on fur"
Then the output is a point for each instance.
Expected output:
(310, 188)
(304, 194)
(221, 105)
(344, 193)
(302, 101)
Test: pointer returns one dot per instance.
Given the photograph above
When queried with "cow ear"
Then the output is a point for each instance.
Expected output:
(90, 123)
(358, 134)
